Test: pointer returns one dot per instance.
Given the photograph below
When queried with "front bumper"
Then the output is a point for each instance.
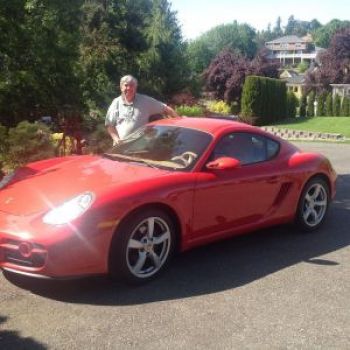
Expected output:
(32, 248)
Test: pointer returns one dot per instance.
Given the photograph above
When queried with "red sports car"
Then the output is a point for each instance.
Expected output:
(172, 185)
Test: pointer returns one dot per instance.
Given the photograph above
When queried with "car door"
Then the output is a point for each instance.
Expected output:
(233, 198)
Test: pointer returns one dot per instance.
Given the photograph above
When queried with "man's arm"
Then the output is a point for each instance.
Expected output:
(110, 121)
(170, 112)
(112, 131)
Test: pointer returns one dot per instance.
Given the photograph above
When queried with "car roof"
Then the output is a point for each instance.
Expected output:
(206, 124)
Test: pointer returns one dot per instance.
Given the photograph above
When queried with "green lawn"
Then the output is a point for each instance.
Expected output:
(337, 125)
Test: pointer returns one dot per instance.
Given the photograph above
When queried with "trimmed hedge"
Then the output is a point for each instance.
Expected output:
(264, 100)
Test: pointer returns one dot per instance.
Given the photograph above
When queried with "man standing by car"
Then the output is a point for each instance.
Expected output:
(132, 110)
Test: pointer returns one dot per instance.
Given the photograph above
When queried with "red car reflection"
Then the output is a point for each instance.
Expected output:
(172, 185)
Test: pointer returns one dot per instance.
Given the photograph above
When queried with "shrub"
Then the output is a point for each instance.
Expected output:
(3, 148)
(302, 67)
(28, 142)
(235, 107)
(250, 100)
(62, 147)
(264, 100)
(190, 111)
(219, 107)
(99, 141)
(3, 141)
(183, 98)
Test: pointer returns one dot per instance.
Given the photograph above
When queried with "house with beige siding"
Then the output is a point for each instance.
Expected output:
(292, 50)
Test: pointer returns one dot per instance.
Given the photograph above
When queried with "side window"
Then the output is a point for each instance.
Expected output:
(272, 148)
(246, 147)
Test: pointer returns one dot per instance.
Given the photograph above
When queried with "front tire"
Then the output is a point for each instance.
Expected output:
(142, 246)
(313, 205)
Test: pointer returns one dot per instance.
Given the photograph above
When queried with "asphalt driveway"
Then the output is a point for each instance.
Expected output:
(273, 289)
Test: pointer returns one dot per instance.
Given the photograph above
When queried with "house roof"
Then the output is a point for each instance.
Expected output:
(296, 80)
(287, 73)
(340, 85)
(288, 39)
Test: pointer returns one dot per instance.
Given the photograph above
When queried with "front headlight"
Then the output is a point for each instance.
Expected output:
(69, 210)
(6, 179)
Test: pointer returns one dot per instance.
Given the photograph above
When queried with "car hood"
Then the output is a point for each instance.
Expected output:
(37, 188)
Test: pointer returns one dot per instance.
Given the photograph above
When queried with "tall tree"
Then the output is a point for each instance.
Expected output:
(263, 66)
(277, 30)
(162, 66)
(103, 55)
(324, 34)
(38, 57)
(334, 63)
(227, 71)
(290, 27)
(264, 36)
(225, 75)
(233, 36)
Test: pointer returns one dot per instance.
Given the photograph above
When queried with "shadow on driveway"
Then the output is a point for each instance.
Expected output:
(12, 340)
(217, 267)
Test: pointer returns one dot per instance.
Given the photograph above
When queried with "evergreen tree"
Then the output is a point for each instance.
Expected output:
(310, 104)
(329, 105)
(290, 27)
(336, 105)
(345, 108)
(277, 30)
(163, 69)
(39, 51)
(323, 34)
(292, 103)
(302, 106)
(233, 36)
(321, 100)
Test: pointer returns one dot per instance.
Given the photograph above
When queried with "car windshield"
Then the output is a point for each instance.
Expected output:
(167, 147)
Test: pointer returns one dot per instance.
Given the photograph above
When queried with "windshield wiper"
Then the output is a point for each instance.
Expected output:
(144, 162)
(123, 158)
(113, 157)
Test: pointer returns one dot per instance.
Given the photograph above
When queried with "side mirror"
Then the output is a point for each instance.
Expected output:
(223, 163)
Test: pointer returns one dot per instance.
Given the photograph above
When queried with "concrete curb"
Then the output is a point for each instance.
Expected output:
(288, 134)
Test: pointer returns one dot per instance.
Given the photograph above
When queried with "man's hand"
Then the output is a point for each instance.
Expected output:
(112, 131)
(116, 141)
(170, 113)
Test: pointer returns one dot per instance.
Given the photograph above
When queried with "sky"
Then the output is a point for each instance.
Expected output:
(198, 16)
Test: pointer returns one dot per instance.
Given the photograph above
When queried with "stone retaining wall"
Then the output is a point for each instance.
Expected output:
(303, 135)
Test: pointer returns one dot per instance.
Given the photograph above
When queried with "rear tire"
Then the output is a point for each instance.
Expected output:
(313, 204)
(142, 246)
